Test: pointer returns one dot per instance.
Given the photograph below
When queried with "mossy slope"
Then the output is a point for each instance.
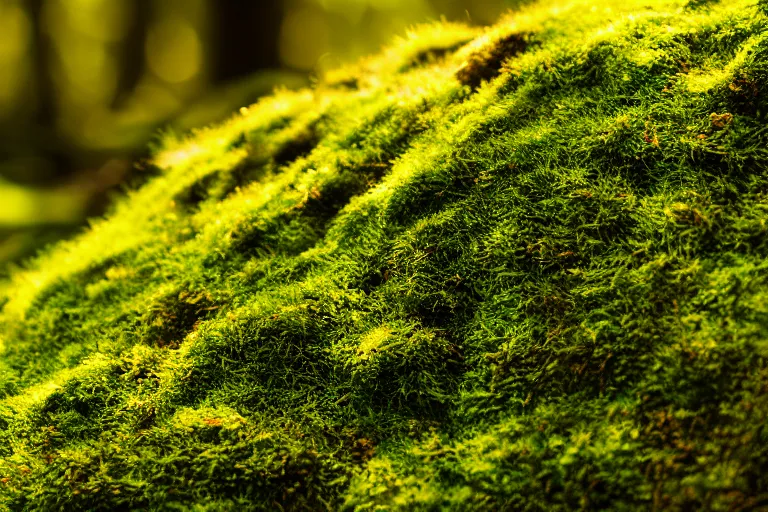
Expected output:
(517, 268)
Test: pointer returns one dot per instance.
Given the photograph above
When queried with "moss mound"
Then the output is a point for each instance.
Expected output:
(524, 267)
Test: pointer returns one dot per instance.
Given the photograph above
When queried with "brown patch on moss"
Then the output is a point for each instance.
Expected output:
(362, 449)
(744, 92)
(486, 62)
(721, 120)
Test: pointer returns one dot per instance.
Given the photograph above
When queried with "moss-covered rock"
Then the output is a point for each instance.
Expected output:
(518, 268)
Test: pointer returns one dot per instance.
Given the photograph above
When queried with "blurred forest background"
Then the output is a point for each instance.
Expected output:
(86, 84)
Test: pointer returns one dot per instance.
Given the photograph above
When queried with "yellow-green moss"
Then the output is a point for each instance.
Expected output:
(519, 268)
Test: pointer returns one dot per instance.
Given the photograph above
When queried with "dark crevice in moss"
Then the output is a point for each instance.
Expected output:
(429, 56)
(303, 225)
(191, 197)
(486, 63)
(299, 145)
(169, 319)
(699, 4)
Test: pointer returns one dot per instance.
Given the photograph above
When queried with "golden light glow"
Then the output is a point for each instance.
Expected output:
(14, 41)
(22, 206)
(174, 51)
(304, 37)
(113, 18)
(81, 34)
(15, 30)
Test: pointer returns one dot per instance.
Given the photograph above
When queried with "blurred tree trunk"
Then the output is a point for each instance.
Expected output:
(43, 85)
(240, 46)
(132, 65)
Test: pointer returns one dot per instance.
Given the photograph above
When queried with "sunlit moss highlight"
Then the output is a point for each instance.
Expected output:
(516, 268)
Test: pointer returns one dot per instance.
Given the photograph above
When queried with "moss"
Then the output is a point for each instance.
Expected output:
(484, 63)
(522, 267)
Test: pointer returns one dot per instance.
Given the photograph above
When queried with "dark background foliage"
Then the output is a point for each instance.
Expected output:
(86, 84)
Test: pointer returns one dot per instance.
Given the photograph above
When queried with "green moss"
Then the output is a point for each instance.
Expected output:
(514, 268)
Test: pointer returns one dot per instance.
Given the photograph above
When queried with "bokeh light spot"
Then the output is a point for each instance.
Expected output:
(14, 39)
(174, 51)
(14, 32)
(303, 37)
(113, 17)
(90, 72)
